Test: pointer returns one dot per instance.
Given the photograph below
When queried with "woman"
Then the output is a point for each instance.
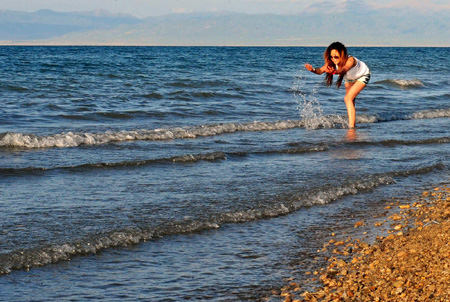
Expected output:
(355, 73)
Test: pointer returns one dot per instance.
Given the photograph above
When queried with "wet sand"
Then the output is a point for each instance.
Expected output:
(410, 263)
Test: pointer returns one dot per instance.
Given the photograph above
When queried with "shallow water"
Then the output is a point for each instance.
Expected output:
(171, 173)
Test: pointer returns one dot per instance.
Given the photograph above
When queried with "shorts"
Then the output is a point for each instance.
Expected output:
(363, 79)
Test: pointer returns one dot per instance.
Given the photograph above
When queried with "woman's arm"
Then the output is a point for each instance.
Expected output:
(351, 62)
(324, 68)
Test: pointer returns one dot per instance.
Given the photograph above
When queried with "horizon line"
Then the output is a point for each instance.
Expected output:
(5, 43)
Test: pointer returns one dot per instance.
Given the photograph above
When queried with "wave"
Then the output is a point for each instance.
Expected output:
(300, 149)
(39, 256)
(429, 114)
(385, 143)
(153, 95)
(393, 143)
(103, 115)
(402, 84)
(424, 114)
(14, 88)
(187, 158)
(293, 148)
(71, 139)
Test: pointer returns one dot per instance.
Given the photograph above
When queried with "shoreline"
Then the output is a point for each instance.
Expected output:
(411, 263)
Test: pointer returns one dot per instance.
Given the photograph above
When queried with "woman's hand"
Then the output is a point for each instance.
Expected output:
(330, 69)
(309, 67)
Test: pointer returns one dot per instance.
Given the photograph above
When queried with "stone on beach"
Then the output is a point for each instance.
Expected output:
(410, 264)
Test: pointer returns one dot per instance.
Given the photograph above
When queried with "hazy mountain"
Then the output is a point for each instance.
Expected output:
(44, 24)
(353, 22)
(328, 7)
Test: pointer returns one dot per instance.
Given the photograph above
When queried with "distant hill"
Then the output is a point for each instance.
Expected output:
(44, 24)
(354, 23)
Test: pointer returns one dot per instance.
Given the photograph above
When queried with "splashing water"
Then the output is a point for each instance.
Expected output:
(310, 109)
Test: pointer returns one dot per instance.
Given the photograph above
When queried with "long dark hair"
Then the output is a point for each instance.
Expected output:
(342, 50)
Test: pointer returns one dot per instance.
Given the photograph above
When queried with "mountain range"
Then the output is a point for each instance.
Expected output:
(354, 23)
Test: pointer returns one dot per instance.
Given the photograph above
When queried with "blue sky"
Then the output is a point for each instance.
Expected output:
(145, 8)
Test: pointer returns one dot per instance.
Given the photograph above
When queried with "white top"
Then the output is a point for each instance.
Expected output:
(357, 71)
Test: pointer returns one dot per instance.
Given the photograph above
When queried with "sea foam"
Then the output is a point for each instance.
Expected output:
(312, 117)
(402, 83)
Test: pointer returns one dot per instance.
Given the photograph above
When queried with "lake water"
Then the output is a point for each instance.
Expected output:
(211, 173)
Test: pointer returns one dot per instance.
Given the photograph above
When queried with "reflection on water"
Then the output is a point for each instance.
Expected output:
(350, 153)
(351, 135)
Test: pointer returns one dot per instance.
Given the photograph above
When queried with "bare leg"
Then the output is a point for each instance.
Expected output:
(352, 90)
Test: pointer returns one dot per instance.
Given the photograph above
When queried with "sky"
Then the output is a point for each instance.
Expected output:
(146, 8)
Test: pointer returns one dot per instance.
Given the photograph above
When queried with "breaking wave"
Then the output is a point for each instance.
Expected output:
(71, 139)
(402, 84)
(429, 114)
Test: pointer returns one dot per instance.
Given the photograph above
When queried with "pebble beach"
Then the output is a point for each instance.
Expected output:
(410, 263)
